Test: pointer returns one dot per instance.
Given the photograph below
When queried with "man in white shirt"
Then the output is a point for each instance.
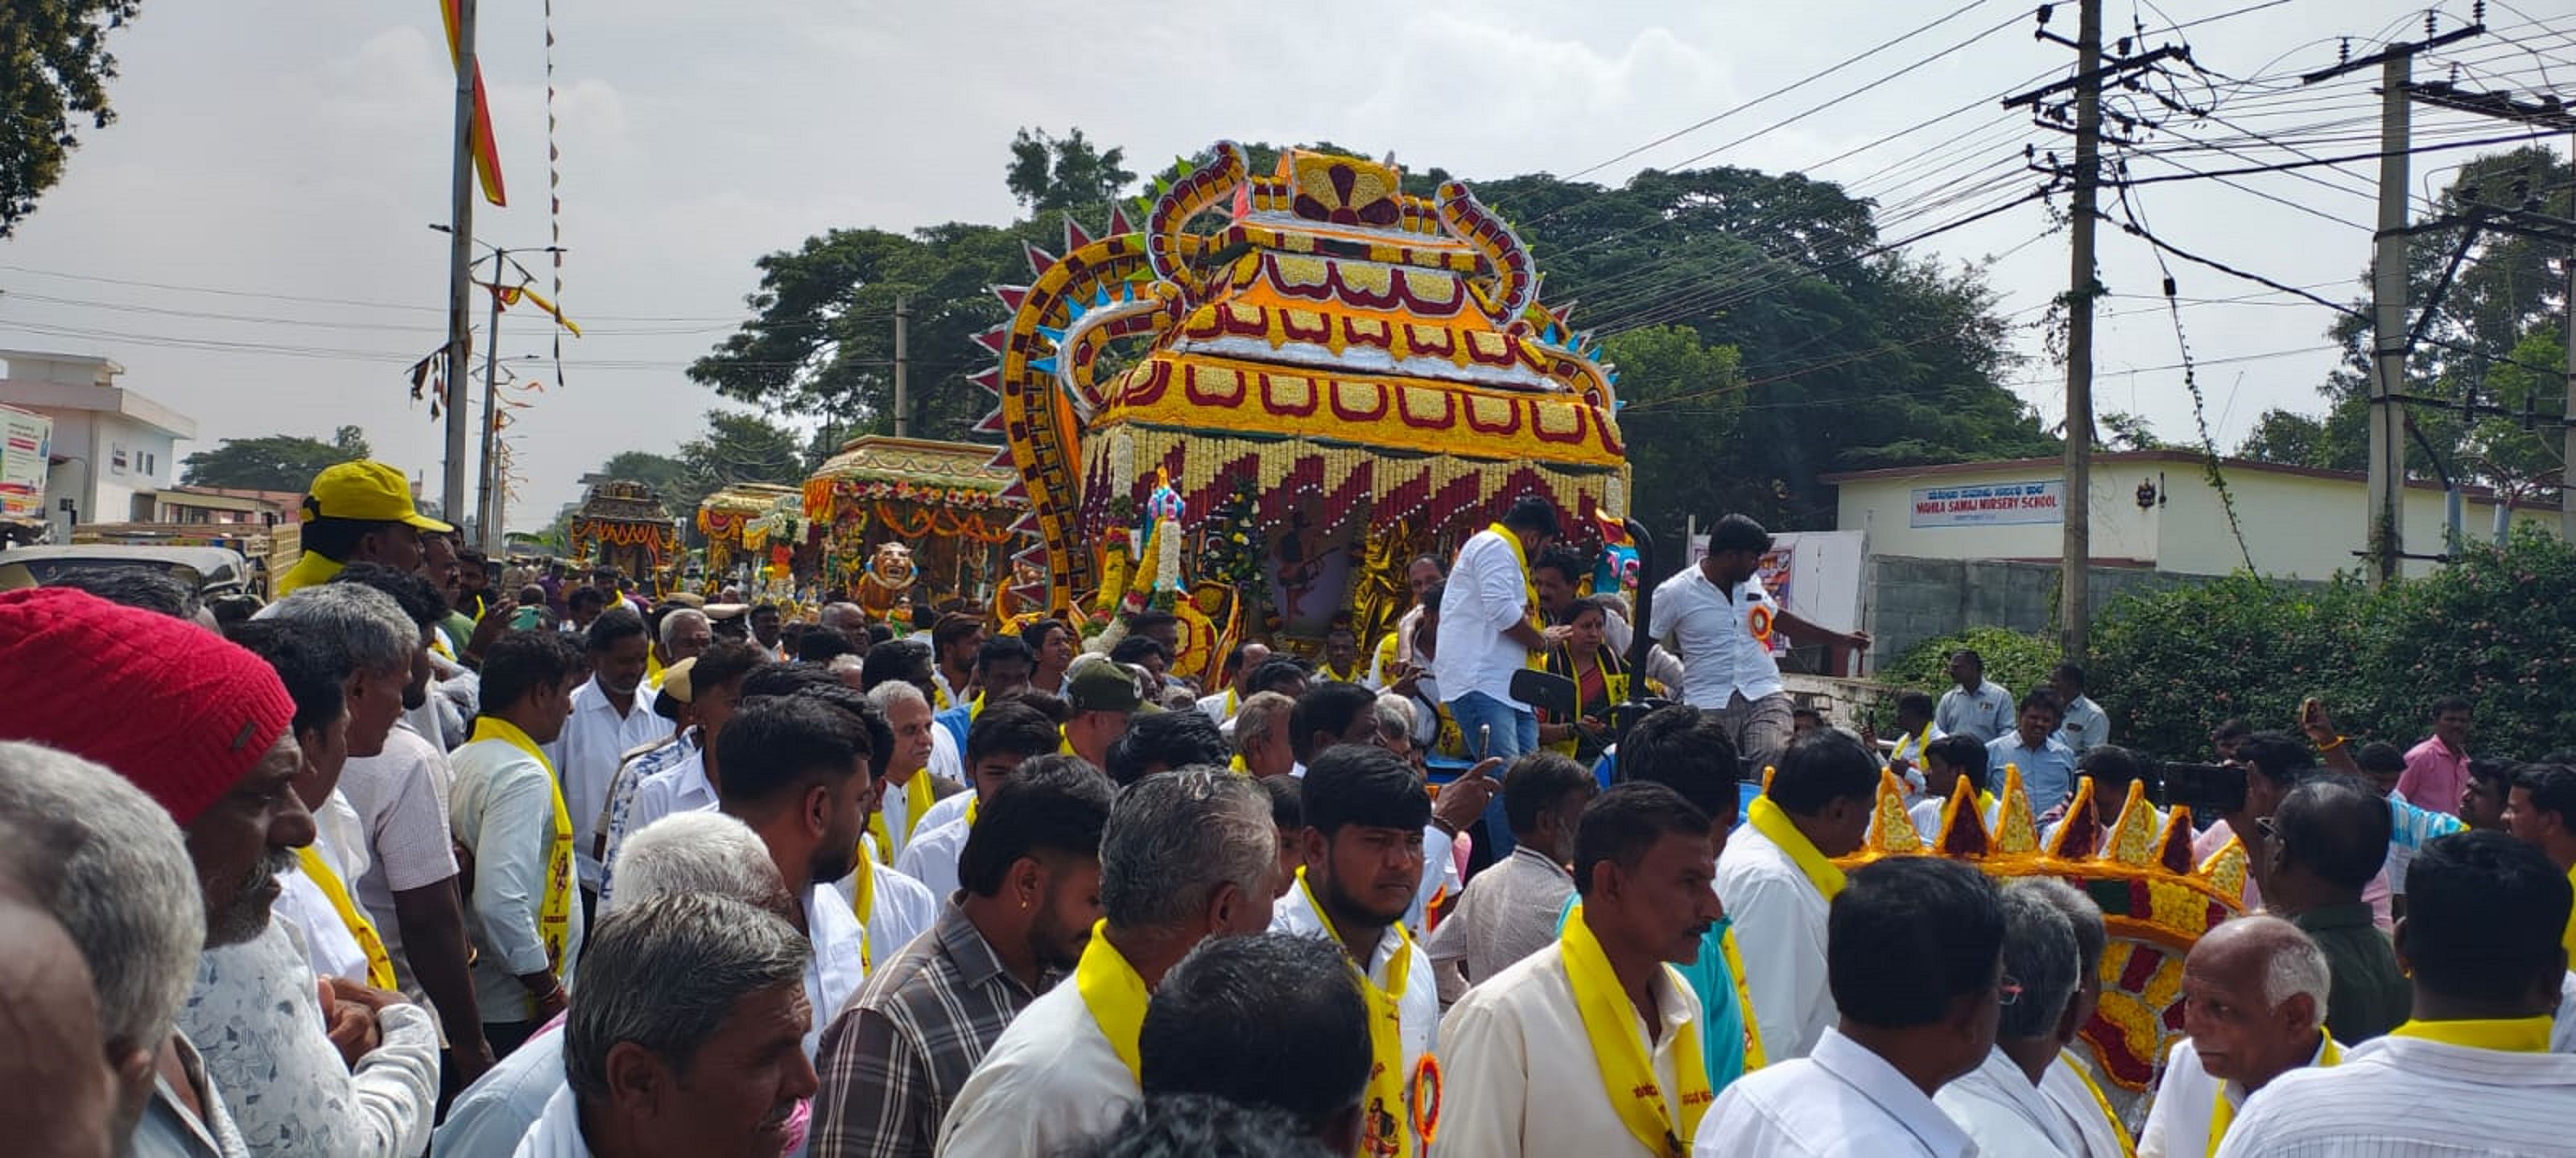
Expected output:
(2254, 1002)
(1004, 736)
(685, 1039)
(798, 775)
(2098, 1132)
(1546, 1057)
(2000, 1104)
(2471, 1073)
(2085, 727)
(1269, 1020)
(1186, 856)
(1245, 659)
(697, 853)
(609, 719)
(525, 915)
(905, 797)
(1912, 1022)
(1977, 707)
(1776, 879)
(1365, 812)
(1488, 628)
(1719, 619)
(711, 688)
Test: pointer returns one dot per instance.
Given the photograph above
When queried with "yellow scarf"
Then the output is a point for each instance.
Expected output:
(1529, 587)
(1066, 743)
(652, 667)
(2223, 1113)
(312, 569)
(380, 966)
(2119, 1129)
(554, 910)
(1754, 1057)
(863, 900)
(974, 804)
(1772, 821)
(1237, 766)
(1115, 995)
(1339, 677)
(916, 804)
(1385, 1100)
(2504, 1035)
(1627, 1067)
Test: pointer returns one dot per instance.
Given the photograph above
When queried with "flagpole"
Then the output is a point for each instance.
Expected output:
(460, 272)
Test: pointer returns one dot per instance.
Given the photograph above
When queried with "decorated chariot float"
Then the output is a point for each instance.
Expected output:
(905, 523)
(622, 524)
(1256, 405)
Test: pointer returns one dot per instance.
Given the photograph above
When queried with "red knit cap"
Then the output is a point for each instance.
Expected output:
(169, 705)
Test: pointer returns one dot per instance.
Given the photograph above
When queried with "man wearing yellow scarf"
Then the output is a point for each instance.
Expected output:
(2472, 1072)
(2254, 1002)
(524, 916)
(908, 791)
(1776, 878)
(1364, 814)
(1547, 1057)
(1186, 856)
(1004, 736)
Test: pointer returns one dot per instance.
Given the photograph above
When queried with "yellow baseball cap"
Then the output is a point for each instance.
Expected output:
(368, 492)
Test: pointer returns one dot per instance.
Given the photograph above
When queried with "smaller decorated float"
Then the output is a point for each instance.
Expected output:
(623, 524)
(757, 534)
(908, 522)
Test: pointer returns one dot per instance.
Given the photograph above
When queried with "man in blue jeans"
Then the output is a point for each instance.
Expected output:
(1488, 628)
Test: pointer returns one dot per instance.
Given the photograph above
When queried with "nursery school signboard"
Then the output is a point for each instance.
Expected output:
(1990, 504)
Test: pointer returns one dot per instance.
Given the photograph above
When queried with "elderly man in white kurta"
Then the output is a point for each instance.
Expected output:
(2254, 1002)
(2471, 1071)
(1591, 1046)
(1186, 856)
(2000, 1103)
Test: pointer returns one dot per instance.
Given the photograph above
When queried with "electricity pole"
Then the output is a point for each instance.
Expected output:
(2075, 582)
(485, 509)
(460, 270)
(2386, 524)
(902, 393)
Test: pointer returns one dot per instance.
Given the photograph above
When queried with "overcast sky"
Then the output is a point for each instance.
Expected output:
(279, 152)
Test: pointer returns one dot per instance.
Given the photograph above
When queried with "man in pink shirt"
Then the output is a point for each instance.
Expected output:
(2438, 768)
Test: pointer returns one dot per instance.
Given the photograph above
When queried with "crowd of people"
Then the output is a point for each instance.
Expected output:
(409, 863)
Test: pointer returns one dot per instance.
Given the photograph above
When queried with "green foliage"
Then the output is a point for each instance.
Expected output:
(737, 448)
(2499, 627)
(2014, 660)
(279, 462)
(1053, 173)
(2169, 664)
(54, 69)
(668, 476)
(1671, 456)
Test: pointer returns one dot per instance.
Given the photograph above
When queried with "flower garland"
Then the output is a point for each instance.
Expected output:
(933, 522)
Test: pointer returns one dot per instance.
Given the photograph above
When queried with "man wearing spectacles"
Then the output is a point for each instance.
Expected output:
(2000, 1104)
(2322, 846)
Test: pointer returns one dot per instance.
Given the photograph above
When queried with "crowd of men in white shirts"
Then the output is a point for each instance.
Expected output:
(667, 891)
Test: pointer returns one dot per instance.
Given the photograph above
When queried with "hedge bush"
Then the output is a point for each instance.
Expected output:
(2497, 626)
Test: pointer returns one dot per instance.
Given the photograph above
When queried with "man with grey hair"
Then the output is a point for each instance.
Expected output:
(1260, 732)
(2254, 1002)
(685, 1040)
(1186, 855)
(701, 853)
(2068, 1086)
(685, 633)
(112, 869)
(1998, 1104)
(907, 790)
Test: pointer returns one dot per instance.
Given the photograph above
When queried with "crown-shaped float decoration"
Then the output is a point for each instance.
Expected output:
(2156, 901)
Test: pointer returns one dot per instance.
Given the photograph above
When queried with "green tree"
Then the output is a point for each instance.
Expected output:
(279, 462)
(54, 69)
(1068, 172)
(668, 476)
(2493, 334)
(2125, 431)
(1702, 394)
(736, 448)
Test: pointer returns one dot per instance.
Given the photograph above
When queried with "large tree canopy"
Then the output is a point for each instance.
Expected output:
(2495, 332)
(279, 462)
(54, 69)
(1760, 343)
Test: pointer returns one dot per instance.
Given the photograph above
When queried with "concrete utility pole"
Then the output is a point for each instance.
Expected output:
(485, 508)
(2387, 462)
(2385, 523)
(902, 392)
(2075, 581)
(460, 271)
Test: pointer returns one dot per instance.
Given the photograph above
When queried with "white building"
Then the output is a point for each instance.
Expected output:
(112, 448)
(2154, 510)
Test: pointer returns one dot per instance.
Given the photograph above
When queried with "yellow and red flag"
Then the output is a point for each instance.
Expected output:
(487, 159)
